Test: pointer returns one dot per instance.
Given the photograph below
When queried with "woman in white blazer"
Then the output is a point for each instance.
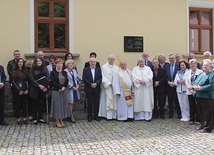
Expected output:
(181, 90)
(191, 75)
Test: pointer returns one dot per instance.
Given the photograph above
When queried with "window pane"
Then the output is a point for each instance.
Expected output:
(59, 9)
(43, 35)
(193, 40)
(59, 35)
(205, 19)
(193, 17)
(43, 9)
(205, 40)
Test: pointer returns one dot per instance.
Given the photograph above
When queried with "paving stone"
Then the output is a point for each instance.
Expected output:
(169, 136)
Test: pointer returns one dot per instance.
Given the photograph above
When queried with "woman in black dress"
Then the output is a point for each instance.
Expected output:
(39, 78)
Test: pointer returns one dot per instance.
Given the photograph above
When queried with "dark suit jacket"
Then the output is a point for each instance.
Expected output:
(10, 67)
(87, 64)
(161, 77)
(166, 63)
(167, 68)
(46, 62)
(3, 77)
(149, 63)
(88, 79)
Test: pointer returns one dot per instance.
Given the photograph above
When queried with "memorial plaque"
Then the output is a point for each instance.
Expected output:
(133, 44)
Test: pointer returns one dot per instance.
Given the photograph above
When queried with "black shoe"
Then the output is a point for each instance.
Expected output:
(179, 117)
(130, 119)
(200, 128)
(72, 121)
(148, 120)
(109, 119)
(4, 123)
(89, 119)
(125, 120)
(68, 119)
(25, 122)
(35, 122)
(42, 121)
(97, 119)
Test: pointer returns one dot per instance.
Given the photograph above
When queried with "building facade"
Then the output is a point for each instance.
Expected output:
(167, 26)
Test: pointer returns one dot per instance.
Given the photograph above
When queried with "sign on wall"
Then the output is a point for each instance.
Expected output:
(133, 44)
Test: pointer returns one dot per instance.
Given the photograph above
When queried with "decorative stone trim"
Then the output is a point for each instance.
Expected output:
(60, 55)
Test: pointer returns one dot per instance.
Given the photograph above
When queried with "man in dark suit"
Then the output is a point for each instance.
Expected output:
(162, 61)
(92, 77)
(10, 66)
(162, 64)
(2, 90)
(145, 56)
(171, 70)
(159, 80)
(92, 55)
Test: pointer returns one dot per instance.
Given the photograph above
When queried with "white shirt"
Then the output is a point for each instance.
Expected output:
(93, 72)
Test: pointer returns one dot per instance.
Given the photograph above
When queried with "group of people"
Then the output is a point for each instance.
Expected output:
(141, 94)
(34, 80)
(113, 92)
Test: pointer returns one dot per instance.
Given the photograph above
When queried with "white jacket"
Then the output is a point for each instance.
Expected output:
(188, 79)
(180, 87)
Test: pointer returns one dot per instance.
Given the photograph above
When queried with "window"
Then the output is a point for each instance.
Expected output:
(51, 25)
(200, 30)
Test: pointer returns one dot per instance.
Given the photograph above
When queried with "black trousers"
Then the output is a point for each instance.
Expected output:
(37, 105)
(13, 91)
(205, 110)
(30, 106)
(173, 98)
(194, 117)
(1, 106)
(159, 102)
(21, 105)
(93, 97)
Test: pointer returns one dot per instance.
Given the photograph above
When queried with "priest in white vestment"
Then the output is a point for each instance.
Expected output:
(122, 86)
(143, 91)
(108, 108)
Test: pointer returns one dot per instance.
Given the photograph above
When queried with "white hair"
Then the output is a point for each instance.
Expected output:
(207, 53)
(192, 61)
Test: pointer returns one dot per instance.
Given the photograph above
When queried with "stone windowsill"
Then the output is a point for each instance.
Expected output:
(196, 56)
(58, 55)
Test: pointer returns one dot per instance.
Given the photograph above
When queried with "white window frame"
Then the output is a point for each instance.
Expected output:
(32, 27)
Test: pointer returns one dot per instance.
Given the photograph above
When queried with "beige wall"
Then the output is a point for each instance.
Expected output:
(100, 25)
(14, 28)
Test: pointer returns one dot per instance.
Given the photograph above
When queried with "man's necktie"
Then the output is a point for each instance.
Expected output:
(171, 71)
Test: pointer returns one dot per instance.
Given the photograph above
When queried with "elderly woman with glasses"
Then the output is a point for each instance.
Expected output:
(204, 87)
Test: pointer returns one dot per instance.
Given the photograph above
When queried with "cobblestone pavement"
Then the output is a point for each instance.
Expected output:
(169, 136)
